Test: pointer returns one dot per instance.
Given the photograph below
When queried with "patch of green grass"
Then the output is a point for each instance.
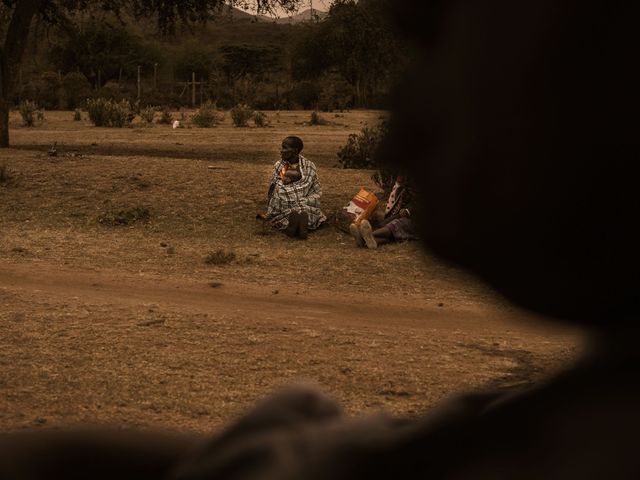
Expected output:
(125, 217)
(220, 257)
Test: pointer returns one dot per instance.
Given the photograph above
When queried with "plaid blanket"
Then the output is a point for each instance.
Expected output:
(301, 196)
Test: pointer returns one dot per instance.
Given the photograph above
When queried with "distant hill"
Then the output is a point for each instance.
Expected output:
(304, 16)
(234, 14)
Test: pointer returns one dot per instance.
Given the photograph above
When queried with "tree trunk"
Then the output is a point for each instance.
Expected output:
(4, 124)
(11, 56)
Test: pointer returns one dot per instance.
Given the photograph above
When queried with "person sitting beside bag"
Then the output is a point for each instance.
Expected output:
(396, 225)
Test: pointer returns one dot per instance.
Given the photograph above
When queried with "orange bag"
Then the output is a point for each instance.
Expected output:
(359, 208)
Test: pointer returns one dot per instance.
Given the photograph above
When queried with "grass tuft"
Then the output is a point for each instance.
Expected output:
(5, 174)
(220, 257)
(125, 217)
(317, 119)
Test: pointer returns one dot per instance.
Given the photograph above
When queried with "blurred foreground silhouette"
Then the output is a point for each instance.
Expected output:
(520, 123)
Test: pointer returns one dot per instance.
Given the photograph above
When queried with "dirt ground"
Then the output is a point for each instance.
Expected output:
(129, 325)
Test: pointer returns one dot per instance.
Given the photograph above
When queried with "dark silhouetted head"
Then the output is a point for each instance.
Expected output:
(528, 161)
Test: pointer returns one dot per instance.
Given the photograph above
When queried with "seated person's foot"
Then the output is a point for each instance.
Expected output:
(303, 223)
(294, 222)
(355, 233)
(367, 234)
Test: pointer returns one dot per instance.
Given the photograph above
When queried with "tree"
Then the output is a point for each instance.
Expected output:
(16, 17)
(241, 60)
(100, 47)
(356, 39)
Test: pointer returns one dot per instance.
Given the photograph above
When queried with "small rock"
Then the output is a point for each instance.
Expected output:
(441, 304)
(275, 292)
(162, 244)
(215, 284)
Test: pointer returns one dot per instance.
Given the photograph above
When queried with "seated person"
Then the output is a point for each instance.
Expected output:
(294, 193)
(570, 253)
(396, 226)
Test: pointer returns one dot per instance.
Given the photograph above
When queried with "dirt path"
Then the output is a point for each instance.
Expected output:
(196, 297)
(110, 346)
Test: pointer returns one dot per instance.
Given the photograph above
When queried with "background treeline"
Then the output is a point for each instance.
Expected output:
(348, 59)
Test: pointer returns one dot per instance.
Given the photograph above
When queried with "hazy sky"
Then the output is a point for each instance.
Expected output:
(317, 4)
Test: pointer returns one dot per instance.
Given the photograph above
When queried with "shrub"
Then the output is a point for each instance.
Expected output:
(305, 94)
(361, 147)
(316, 119)
(99, 111)
(220, 257)
(49, 95)
(75, 88)
(125, 217)
(360, 152)
(77, 115)
(335, 93)
(122, 114)
(5, 174)
(148, 113)
(207, 115)
(109, 113)
(166, 117)
(113, 89)
(30, 113)
(260, 119)
(241, 114)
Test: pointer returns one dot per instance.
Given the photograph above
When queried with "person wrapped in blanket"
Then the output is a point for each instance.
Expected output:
(294, 192)
(396, 225)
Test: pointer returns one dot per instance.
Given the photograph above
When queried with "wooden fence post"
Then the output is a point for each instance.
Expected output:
(155, 76)
(193, 89)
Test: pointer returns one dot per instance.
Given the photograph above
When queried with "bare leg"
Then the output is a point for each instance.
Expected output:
(355, 233)
(303, 224)
(294, 223)
(367, 234)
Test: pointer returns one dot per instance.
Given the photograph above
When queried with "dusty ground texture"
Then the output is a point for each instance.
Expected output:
(129, 325)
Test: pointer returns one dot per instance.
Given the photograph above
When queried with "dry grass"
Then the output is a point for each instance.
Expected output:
(144, 355)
